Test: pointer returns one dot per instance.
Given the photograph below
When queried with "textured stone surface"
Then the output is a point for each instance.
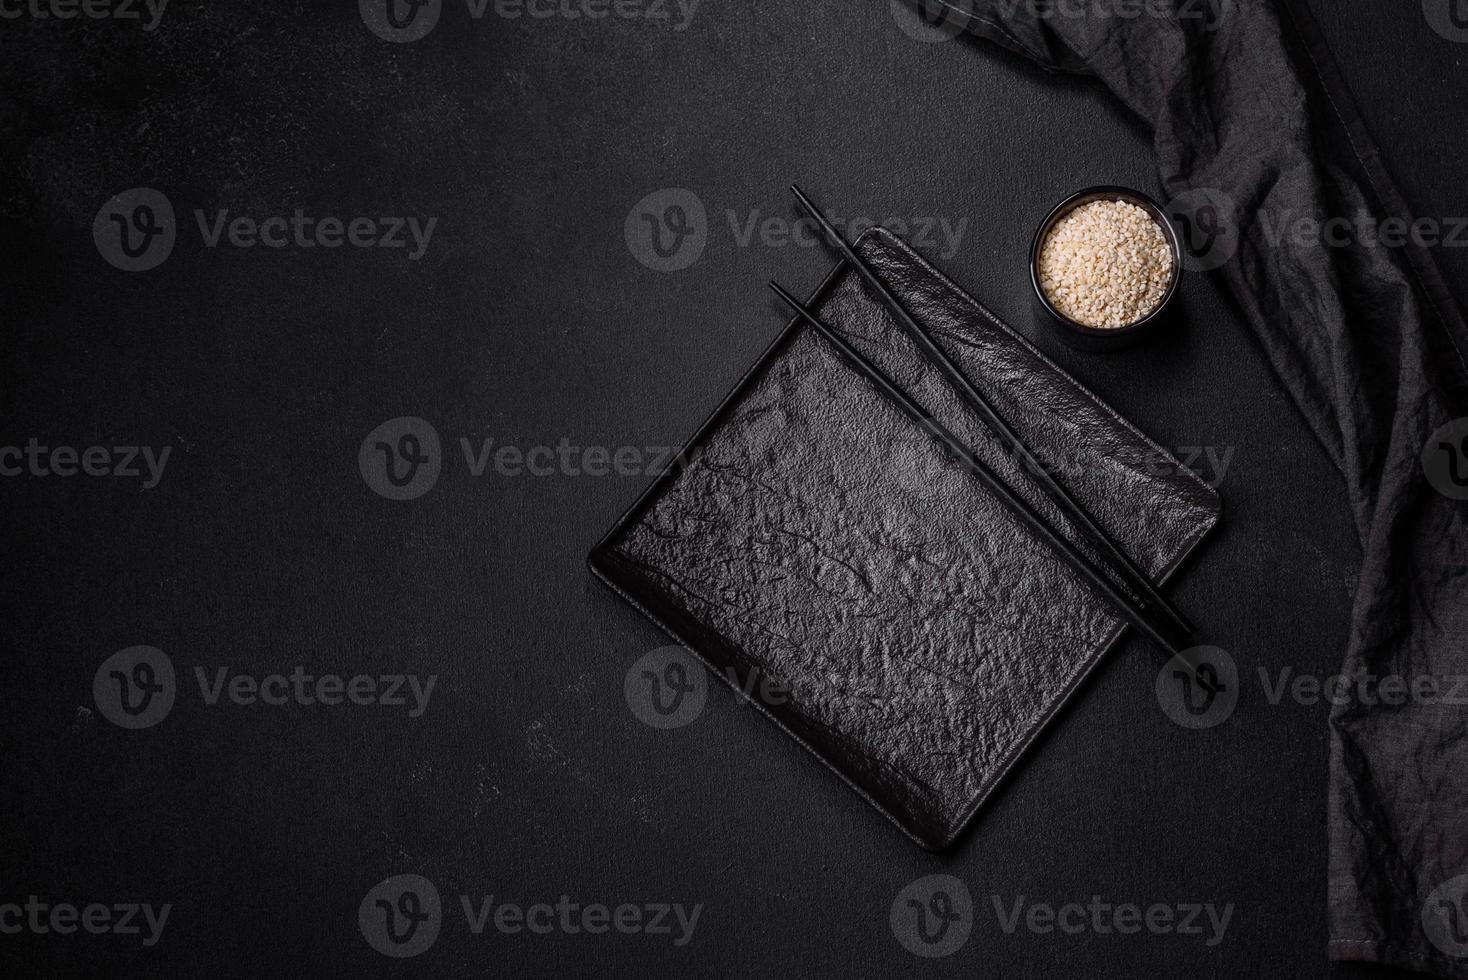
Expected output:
(920, 632)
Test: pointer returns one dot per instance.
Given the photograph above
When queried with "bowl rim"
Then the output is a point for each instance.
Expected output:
(1085, 196)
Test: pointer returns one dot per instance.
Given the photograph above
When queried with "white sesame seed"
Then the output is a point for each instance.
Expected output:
(1105, 264)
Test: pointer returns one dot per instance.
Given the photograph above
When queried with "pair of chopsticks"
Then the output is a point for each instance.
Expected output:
(1139, 602)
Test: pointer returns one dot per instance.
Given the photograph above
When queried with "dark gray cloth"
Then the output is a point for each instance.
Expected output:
(1254, 131)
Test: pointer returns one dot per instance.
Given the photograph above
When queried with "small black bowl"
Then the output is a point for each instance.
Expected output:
(1107, 338)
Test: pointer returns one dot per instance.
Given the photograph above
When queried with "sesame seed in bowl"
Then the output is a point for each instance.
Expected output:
(1105, 264)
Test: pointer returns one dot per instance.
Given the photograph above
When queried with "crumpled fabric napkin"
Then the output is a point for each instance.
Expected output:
(1254, 130)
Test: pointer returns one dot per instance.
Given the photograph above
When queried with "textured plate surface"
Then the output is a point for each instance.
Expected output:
(919, 635)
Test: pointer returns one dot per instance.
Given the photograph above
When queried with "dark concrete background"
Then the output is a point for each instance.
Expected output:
(529, 320)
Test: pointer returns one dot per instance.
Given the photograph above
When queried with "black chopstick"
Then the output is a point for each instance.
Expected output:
(1122, 566)
(1124, 603)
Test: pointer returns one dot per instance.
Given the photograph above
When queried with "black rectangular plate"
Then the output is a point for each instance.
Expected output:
(816, 539)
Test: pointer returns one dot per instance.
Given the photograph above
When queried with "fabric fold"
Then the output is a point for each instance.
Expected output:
(1256, 138)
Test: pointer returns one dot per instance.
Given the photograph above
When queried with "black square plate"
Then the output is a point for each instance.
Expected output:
(817, 540)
